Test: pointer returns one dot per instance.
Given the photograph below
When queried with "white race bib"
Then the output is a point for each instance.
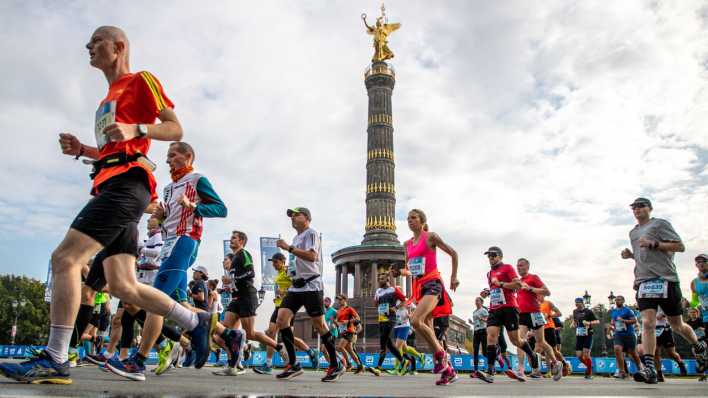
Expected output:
(537, 319)
(654, 288)
(620, 326)
(416, 265)
(167, 246)
(105, 116)
(383, 309)
(659, 330)
(496, 296)
(581, 331)
(343, 328)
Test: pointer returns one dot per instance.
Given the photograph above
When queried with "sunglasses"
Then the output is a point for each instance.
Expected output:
(639, 206)
(492, 255)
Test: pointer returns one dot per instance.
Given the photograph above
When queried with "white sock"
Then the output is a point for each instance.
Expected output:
(58, 346)
(185, 318)
(269, 362)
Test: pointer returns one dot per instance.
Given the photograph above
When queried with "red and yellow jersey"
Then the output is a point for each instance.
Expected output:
(135, 98)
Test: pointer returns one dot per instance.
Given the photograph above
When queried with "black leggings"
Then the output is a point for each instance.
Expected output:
(385, 341)
(479, 340)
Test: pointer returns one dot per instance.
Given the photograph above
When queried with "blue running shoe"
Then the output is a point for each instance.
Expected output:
(40, 370)
(129, 368)
(201, 335)
(188, 359)
(235, 340)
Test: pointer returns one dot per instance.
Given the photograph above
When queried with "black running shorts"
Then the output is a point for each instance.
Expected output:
(96, 278)
(666, 338)
(274, 317)
(111, 217)
(507, 317)
(311, 300)
(549, 335)
(671, 304)
(245, 303)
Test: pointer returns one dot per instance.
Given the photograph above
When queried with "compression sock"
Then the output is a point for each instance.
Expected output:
(289, 341)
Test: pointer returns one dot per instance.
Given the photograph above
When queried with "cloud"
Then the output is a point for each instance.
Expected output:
(529, 126)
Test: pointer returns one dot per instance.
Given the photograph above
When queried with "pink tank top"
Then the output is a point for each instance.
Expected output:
(422, 260)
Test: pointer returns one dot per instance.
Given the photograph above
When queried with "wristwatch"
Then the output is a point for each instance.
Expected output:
(142, 130)
(290, 249)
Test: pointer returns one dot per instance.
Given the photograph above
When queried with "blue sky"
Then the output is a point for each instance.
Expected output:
(526, 125)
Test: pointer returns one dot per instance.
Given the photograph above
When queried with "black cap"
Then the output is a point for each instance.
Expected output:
(641, 201)
(300, 210)
(703, 257)
(277, 256)
(495, 250)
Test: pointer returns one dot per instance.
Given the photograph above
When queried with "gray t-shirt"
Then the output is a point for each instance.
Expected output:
(477, 320)
(653, 263)
(309, 239)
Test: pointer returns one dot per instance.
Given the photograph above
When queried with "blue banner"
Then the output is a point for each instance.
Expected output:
(268, 273)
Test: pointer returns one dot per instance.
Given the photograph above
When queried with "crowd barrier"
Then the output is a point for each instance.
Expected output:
(463, 362)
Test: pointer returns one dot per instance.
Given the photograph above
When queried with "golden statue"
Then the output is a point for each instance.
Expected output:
(380, 31)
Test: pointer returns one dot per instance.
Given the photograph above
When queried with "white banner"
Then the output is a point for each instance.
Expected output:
(268, 249)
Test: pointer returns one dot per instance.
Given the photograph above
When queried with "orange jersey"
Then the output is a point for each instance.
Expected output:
(547, 311)
(344, 316)
(135, 98)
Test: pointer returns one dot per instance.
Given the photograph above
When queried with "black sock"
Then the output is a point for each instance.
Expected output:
(532, 356)
(82, 320)
(649, 361)
(289, 342)
(698, 348)
(140, 358)
(127, 332)
(491, 357)
(328, 342)
(382, 357)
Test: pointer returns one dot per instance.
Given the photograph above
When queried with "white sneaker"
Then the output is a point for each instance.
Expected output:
(557, 371)
(226, 371)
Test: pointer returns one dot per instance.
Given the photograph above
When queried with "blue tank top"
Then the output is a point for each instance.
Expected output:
(702, 291)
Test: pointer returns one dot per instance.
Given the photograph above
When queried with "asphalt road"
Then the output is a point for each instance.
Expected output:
(89, 381)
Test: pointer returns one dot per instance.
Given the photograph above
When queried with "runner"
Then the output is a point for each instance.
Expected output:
(479, 326)
(306, 290)
(441, 320)
(123, 186)
(656, 281)
(583, 321)
(282, 284)
(347, 321)
(695, 321)
(503, 312)
(401, 330)
(330, 317)
(188, 199)
(699, 300)
(386, 298)
(551, 312)
(428, 287)
(531, 319)
(244, 301)
(665, 340)
(622, 326)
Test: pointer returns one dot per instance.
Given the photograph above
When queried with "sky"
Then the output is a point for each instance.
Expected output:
(526, 125)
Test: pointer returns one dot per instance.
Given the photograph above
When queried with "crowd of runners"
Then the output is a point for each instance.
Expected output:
(186, 322)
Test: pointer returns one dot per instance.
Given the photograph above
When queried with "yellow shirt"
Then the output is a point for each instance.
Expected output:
(283, 282)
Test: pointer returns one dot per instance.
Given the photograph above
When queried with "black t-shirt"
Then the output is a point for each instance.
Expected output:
(695, 323)
(242, 273)
(585, 314)
(198, 288)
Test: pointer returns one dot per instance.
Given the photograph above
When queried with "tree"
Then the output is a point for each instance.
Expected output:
(32, 318)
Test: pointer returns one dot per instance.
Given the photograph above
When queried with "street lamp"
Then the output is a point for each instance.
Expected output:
(611, 298)
(16, 307)
(261, 294)
(586, 298)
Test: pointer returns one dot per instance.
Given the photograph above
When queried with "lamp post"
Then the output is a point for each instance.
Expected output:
(586, 299)
(611, 298)
(16, 307)
(261, 295)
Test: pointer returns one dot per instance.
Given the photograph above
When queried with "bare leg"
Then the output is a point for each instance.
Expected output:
(419, 321)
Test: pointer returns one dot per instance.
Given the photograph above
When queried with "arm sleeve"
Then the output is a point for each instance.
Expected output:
(667, 233)
(211, 204)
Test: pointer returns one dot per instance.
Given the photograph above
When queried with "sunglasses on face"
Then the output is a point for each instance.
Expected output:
(639, 206)
(492, 255)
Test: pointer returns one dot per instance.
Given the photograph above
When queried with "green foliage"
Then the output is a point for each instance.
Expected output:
(32, 318)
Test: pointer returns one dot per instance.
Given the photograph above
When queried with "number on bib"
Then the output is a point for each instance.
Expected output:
(654, 288)
(105, 116)
(620, 326)
(416, 265)
(383, 309)
(496, 296)
(342, 328)
(581, 331)
(537, 319)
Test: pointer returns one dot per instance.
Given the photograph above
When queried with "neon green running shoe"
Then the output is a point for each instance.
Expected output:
(163, 357)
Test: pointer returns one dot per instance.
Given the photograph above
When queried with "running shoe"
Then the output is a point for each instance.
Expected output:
(235, 341)
(515, 374)
(441, 362)
(290, 371)
(701, 355)
(645, 375)
(660, 376)
(73, 359)
(474, 374)
(535, 374)
(374, 371)
(333, 374)
(201, 336)
(588, 377)
(263, 370)
(682, 369)
(188, 359)
(226, 371)
(172, 359)
(99, 359)
(359, 369)
(163, 358)
(129, 368)
(557, 370)
(314, 358)
(485, 377)
(40, 370)
(448, 377)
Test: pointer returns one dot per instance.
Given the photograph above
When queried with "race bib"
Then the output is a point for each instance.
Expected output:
(496, 296)
(167, 246)
(383, 309)
(581, 331)
(416, 265)
(620, 326)
(343, 328)
(654, 288)
(291, 265)
(105, 116)
(537, 319)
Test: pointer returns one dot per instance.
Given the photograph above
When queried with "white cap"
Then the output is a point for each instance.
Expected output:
(201, 269)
